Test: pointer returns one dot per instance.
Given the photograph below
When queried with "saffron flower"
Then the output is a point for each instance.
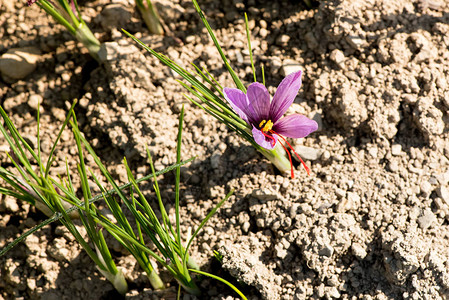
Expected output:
(250, 113)
(265, 115)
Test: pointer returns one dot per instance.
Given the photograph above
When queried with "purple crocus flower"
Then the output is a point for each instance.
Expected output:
(31, 2)
(265, 116)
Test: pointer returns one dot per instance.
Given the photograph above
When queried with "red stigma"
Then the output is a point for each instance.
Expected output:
(289, 156)
(273, 141)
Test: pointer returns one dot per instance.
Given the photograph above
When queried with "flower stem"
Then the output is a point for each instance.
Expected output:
(85, 36)
(278, 157)
(118, 280)
(151, 18)
(192, 288)
(57, 14)
(155, 280)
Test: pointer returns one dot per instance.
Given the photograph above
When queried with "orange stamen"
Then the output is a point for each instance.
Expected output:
(297, 155)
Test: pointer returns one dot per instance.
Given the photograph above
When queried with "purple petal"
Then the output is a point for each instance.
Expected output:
(31, 2)
(259, 100)
(285, 95)
(238, 101)
(295, 126)
(262, 140)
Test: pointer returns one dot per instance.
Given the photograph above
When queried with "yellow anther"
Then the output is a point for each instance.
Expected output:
(266, 125)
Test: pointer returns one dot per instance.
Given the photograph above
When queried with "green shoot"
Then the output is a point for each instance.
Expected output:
(150, 16)
(67, 13)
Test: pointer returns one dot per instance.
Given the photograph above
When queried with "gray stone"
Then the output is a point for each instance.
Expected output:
(18, 63)
(433, 180)
(265, 194)
(289, 66)
(427, 219)
(215, 159)
(308, 153)
(338, 57)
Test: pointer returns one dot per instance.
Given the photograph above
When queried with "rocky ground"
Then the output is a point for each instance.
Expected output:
(371, 222)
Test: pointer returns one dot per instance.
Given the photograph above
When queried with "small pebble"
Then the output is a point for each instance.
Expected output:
(393, 166)
(308, 153)
(18, 63)
(396, 149)
(289, 66)
(427, 219)
(433, 180)
(337, 56)
(11, 204)
(34, 101)
(265, 194)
